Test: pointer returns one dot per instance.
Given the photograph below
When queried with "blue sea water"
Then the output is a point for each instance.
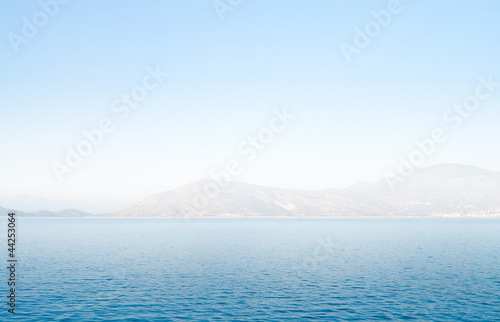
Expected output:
(256, 269)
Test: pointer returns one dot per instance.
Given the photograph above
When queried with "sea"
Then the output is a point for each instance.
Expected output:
(367, 269)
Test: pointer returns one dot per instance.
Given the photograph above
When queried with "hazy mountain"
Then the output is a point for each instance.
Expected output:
(45, 213)
(33, 203)
(241, 199)
(443, 190)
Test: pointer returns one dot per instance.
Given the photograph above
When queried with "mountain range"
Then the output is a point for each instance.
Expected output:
(441, 190)
(25, 203)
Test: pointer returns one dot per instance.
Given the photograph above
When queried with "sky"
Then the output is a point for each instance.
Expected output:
(361, 82)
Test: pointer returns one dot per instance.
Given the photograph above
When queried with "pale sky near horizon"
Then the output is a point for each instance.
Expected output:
(352, 120)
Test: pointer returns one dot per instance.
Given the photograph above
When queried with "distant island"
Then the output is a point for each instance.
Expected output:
(446, 190)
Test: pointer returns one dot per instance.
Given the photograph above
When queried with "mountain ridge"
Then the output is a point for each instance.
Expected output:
(440, 190)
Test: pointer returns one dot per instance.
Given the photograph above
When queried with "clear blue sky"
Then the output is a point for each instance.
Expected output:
(352, 121)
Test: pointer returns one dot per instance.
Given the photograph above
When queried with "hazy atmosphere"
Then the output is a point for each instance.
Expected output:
(250, 160)
(107, 104)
